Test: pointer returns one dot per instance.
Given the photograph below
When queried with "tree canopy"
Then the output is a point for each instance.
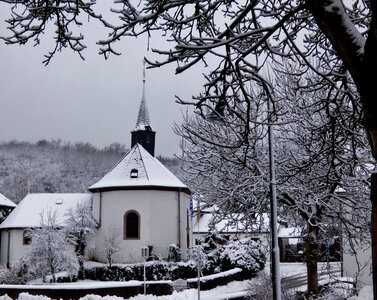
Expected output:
(238, 42)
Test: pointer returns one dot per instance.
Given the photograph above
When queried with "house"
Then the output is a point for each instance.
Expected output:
(29, 213)
(6, 203)
(232, 226)
(139, 200)
(6, 206)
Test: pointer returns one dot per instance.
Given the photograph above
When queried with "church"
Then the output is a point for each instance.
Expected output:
(139, 199)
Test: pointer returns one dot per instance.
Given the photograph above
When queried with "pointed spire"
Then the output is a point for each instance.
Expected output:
(143, 121)
(143, 134)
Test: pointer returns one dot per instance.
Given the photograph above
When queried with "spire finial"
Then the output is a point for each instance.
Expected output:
(144, 70)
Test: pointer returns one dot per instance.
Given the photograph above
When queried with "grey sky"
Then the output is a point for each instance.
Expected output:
(95, 100)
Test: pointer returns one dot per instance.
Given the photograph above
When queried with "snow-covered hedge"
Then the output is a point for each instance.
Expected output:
(216, 254)
(155, 270)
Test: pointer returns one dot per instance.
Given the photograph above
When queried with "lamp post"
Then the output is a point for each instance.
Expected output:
(275, 253)
(275, 259)
(145, 255)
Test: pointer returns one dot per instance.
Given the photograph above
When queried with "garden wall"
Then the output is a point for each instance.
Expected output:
(121, 289)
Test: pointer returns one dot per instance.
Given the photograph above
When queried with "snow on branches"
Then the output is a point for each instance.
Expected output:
(49, 251)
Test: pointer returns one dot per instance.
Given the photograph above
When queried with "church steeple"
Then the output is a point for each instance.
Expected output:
(143, 133)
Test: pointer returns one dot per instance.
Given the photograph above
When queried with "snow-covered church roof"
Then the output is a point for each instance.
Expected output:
(4, 201)
(137, 170)
(29, 211)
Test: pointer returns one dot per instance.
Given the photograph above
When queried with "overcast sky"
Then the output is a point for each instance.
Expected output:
(95, 100)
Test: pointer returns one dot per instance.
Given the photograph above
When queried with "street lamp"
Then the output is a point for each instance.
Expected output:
(217, 117)
(275, 259)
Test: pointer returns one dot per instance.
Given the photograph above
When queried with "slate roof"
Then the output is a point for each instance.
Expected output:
(139, 170)
(28, 212)
(143, 120)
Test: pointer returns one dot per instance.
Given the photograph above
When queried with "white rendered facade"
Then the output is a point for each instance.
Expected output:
(163, 221)
(12, 246)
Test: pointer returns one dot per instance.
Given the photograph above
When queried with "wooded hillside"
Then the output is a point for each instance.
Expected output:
(58, 167)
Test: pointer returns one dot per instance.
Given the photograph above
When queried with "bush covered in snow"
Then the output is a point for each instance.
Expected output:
(215, 255)
(219, 254)
(174, 253)
(246, 255)
(49, 251)
(16, 275)
(155, 270)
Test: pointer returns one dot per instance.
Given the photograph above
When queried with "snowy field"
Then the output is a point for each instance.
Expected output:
(231, 290)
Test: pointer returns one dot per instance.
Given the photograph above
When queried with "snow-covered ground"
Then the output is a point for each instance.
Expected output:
(366, 293)
(230, 290)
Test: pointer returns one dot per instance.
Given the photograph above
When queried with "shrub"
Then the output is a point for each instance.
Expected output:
(15, 275)
(174, 253)
(246, 255)
(220, 255)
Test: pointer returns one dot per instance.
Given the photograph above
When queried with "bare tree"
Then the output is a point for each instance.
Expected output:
(322, 162)
(228, 171)
(111, 243)
(30, 20)
(81, 227)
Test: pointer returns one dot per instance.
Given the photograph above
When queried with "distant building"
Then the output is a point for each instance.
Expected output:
(231, 226)
(6, 203)
(28, 214)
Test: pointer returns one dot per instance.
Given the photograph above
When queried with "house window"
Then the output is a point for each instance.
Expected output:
(26, 237)
(131, 225)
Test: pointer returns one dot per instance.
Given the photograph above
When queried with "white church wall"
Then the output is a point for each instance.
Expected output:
(4, 247)
(16, 247)
(96, 202)
(158, 221)
(186, 236)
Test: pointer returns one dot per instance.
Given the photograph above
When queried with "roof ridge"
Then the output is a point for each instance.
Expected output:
(151, 173)
(119, 161)
(142, 161)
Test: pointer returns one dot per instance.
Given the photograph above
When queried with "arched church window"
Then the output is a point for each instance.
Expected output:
(131, 227)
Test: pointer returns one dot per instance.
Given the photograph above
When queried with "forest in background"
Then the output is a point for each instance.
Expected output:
(59, 167)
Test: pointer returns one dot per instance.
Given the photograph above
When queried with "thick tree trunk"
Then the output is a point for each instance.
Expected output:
(368, 98)
(311, 259)
(373, 198)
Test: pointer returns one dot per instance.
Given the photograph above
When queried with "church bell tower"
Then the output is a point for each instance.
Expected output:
(143, 133)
